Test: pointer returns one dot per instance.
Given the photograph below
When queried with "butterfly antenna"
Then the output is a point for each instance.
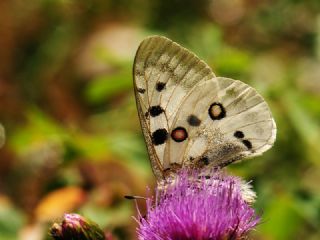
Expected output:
(131, 197)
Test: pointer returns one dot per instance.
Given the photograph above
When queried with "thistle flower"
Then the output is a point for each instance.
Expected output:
(216, 208)
(76, 227)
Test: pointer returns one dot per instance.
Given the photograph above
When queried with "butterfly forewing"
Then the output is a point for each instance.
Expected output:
(190, 117)
(164, 73)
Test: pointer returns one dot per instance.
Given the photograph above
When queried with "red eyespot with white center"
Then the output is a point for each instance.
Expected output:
(179, 134)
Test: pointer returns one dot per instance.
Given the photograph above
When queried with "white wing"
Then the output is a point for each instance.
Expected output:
(190, 117)
(164, 73)
(225, 121)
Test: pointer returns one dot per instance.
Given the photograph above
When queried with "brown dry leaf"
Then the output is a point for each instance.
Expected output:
(61, 201)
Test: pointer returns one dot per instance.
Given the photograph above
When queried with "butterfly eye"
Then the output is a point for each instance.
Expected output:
(217, 111)
(179, 134)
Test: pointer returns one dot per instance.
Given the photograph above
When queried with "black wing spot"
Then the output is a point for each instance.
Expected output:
(193, 120)
(216, 111)
(159, 136)
(204, 160)
(155, 111)
(160, 86)
(141, 90)
(238, 134)
(179, 134)
(247, 143)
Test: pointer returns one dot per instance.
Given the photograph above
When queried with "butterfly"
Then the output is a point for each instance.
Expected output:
(190, 117)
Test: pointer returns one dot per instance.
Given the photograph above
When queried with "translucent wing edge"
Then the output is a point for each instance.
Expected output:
(268, 145)
(269, 142)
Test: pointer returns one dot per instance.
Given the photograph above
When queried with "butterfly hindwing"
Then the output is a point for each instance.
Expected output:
(225, 120)
(190, 117)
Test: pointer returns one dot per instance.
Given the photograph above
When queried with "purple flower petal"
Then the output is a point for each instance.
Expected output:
(198, 209)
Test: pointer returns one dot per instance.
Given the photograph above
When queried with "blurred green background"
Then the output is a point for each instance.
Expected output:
(74, 142)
